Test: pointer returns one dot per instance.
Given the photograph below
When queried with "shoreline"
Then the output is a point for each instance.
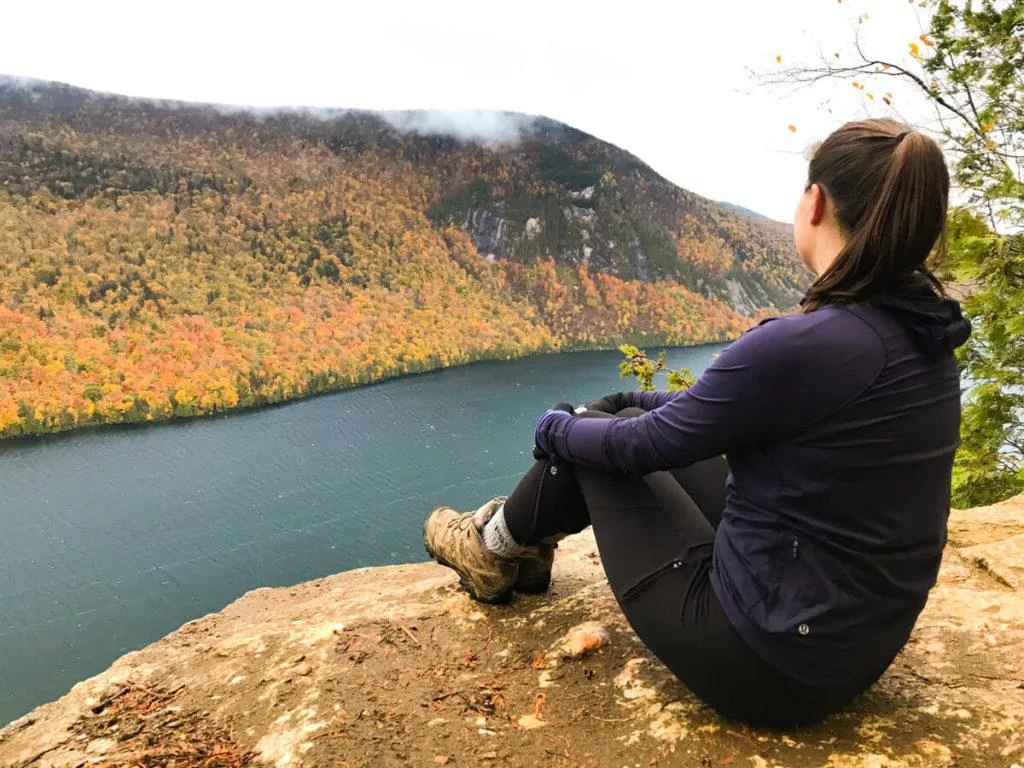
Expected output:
(38, 437)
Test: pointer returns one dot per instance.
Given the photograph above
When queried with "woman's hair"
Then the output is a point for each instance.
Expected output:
(889, 189)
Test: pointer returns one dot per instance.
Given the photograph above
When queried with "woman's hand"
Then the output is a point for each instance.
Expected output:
(541, 450)
(611, 403)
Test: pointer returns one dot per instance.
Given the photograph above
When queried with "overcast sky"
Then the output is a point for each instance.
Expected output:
(667, 81)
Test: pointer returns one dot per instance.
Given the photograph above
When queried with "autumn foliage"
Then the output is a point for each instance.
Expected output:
(161, 263)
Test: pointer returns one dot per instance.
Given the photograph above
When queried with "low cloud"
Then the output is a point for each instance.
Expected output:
(469, 125)
(480, 126)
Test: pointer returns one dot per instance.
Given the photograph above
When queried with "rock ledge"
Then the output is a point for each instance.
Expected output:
(393, 666)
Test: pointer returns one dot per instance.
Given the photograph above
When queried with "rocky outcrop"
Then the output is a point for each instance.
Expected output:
(394, 666)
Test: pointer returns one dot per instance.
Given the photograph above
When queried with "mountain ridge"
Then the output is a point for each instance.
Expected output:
(173, 260)
(747, 211)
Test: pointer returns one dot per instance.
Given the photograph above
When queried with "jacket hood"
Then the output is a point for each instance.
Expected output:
(934, 322)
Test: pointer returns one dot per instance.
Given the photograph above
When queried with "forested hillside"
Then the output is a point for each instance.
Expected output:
(160, 259)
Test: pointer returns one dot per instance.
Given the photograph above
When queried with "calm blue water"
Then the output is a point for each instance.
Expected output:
(111, 539)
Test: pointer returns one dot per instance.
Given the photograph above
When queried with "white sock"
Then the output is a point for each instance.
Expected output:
(497, 538)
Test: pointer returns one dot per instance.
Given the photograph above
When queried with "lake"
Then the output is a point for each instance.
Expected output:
(111, 539)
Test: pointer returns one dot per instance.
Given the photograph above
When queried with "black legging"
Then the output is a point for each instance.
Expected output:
(655, 535)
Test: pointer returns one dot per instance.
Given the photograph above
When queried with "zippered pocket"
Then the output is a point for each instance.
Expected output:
(646, 581)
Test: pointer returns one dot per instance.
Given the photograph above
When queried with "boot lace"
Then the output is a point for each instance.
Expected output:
(461, 524)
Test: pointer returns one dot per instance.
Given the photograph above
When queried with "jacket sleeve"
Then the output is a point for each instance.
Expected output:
(650, 400)
(773, 381)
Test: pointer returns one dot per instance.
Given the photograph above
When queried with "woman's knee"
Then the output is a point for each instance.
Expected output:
(629, 413)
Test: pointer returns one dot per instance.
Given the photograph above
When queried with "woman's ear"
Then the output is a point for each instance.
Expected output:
(818, 203)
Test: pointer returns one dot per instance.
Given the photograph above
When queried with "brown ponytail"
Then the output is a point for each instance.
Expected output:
(889, 189)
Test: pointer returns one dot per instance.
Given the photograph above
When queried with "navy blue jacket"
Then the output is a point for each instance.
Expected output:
(839, 426)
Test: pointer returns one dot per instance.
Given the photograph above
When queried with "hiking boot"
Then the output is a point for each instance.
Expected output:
(453, 539)
(535, 566)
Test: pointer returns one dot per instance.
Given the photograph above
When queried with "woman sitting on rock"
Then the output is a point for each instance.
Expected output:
(779, 581)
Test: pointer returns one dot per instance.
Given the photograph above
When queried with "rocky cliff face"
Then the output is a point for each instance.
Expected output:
(566, 196)
(394, 666)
